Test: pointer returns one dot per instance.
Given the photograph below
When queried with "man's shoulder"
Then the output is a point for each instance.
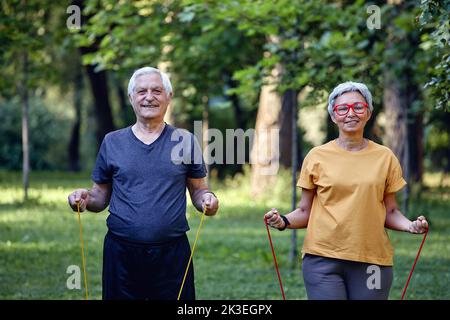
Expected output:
(171, 128)
(176, 133)
(116, 134)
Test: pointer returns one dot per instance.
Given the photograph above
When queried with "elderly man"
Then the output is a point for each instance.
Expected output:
(146, 250)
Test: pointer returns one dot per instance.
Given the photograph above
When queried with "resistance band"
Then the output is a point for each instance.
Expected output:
(192, 252)
(274, 259)
(414, 265)
(82, 251)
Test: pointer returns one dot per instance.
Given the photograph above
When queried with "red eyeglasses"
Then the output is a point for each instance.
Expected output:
(357, 107)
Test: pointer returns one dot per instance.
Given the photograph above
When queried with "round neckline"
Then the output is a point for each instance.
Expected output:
(363, 150)
(152, 143)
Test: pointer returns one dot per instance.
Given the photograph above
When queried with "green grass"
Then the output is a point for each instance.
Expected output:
(40, 239)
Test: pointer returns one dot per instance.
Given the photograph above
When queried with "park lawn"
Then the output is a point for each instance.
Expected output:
(40, 240)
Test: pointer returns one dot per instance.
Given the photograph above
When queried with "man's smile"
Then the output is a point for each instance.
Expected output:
(149, 106)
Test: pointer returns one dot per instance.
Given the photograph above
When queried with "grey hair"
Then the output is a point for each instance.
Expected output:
(349, 86)
(149, 70)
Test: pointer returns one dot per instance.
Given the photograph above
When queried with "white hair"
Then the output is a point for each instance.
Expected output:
(349, 86)
(149, 70)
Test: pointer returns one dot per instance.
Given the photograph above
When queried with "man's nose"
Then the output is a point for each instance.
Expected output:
(149, 95)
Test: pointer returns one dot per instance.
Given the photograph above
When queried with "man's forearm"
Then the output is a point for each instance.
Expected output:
(97, 201)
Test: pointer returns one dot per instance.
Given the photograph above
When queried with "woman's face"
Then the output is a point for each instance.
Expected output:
(352, 122)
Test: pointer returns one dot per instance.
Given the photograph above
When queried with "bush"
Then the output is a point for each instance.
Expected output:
(48, 136)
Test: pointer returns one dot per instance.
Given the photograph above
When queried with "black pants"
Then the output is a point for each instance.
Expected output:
(140, 271)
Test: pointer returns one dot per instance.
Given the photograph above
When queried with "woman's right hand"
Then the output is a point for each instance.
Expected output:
(273, 219)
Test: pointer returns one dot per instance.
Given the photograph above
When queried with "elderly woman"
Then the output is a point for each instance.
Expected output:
(348, 199)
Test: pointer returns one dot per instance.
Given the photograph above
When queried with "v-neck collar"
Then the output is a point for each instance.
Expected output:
(152, 143)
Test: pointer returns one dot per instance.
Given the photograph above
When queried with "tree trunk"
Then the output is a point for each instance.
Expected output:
(164, 67)
(25, 129)
(404, 127)
(394, 102)
(396, 130)
(239, 120)
(235, 103)
(274, 113)
(126, 111)
(293, 102)
(99, 87)
(74, 144)
(102, 107)
(446, 116)
(415, 130)
(263, 152)
(288, 107)
(205, 138)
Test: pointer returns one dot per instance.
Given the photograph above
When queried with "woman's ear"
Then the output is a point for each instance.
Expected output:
(369, 114)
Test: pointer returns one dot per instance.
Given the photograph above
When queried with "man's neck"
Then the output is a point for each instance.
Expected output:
(149, 128)
(148, 132)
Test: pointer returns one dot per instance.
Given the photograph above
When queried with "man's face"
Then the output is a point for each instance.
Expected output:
(149, 99)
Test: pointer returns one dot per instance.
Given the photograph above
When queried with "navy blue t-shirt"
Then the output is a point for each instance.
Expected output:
(148, 199)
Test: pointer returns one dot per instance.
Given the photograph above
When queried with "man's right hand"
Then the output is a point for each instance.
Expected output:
(273, 219)
(80, 196)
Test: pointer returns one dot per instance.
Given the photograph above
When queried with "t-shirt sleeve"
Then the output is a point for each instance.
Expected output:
(196, 167)
(102, 172)
(308, 173)
(394, 181)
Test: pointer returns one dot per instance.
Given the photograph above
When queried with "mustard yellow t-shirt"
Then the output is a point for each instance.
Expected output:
(348, 213)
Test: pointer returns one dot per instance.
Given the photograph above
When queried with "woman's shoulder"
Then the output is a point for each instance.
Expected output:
(380, 148)
(321, 149)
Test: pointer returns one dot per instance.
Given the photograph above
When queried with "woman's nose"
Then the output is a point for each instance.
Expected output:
(351, 112)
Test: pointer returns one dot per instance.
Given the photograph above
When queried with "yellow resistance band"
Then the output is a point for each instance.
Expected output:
(82, 251)
(192, 253)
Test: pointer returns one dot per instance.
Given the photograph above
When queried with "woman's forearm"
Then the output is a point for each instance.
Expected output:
(395, 220)
(298, 219)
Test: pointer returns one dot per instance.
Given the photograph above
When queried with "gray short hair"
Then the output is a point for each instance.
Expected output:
(349, 86)
(149, 70)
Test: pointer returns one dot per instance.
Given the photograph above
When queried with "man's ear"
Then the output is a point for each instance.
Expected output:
(129, 99)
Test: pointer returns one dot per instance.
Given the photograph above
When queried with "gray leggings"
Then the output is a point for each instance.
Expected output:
(336, 279)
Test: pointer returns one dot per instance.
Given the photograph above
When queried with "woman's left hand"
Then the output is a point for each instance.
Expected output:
(419, 226)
